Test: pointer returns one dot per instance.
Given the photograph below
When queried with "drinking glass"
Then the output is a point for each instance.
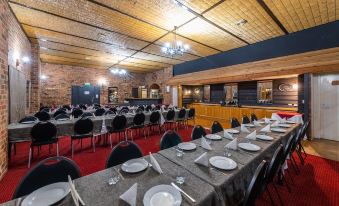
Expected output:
(180, 180)
(179, 152)
(227, 152)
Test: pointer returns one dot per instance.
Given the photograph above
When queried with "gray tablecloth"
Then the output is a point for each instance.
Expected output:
(94, 188)
(21, 132)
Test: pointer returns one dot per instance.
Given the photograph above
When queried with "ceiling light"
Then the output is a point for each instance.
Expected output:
(176, 47)
(43, 77)
(25, 59)
(88, 58)
(118, 71)
(241, 22)
(44, 48)
(43, 40)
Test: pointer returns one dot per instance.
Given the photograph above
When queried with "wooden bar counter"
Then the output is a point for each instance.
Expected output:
(206, 113)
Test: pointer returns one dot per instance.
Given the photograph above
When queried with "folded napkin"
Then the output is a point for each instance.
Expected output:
(202, 160)
(267, 121)
(103, 127)
(296, 119)
(283, 120)
(227, 135)
(204, 144)
(266, 129)
(130, 196)
(256, 123)
(252, 136)
(233, 145)
(155, 164)
(152, 105)
(244, 129)
(275, 124)
(275, 116)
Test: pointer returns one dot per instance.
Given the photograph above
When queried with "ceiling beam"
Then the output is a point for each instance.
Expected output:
(274, 18)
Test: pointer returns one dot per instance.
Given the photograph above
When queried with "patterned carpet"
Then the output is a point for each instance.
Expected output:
(317, 185)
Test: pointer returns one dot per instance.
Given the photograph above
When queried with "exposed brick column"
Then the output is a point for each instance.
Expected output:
(35, 79)
(4, 12)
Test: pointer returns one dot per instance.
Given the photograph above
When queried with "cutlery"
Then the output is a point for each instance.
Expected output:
(77, 194)
(180, 190)
(120, 175)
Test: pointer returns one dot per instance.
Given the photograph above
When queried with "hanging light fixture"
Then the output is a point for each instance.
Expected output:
(176, 47)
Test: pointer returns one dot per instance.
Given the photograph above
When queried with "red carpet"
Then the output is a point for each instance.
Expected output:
(318, 183)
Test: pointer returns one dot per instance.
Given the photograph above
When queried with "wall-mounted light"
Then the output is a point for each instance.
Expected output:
(118, 71)
(102, 82)
(43, 48)
(25, 59)
(295, 86)
(43, 77)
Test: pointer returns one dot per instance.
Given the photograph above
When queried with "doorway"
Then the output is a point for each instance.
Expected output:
(85, 95)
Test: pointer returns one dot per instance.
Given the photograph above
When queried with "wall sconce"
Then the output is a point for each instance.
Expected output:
(25, 59)
(168, 89)
(188, 92)
(102, 82)
(196, 91)
(43, 77)
(295, 86)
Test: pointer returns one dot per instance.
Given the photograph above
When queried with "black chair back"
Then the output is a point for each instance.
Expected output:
(113, 109)
(139, 119)
(139, 110)
(77, 113)
(155, 117)
(191, 113)
(109, 112)
(42, 116)
(99, 112)
(43, 132)
(182, 114)
(48, 171)
(170, 115)
(123, 152)
(67, 107)
(288, 146)
(216, 127)
(254, 189)
(275, 163)
(83, 107)
(142, 108)
(28, 119)
(253, 117)
(157, 107)
(235, 123)
(62, 116)
(123, 111)
(59, 111)
(44, 108)
(245, 119)
(87, 114)
(169, 139)
(148, 108)
(197, 132)
(119, 122)
(83, 126)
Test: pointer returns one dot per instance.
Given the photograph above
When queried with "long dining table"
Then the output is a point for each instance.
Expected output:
(208, 185)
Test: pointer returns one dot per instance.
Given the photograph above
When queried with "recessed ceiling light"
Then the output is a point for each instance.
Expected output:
(44, 48)
(241, 22)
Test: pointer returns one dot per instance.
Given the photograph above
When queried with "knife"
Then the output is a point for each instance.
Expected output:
(180, 190)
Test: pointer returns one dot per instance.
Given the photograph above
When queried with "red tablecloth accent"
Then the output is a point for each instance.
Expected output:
(287, 114)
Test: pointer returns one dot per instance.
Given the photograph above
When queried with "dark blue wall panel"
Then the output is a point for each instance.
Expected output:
(316, 38)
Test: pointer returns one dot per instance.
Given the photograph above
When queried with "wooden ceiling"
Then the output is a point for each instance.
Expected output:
(129, 33)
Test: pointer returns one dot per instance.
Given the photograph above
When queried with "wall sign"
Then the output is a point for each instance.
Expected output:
(285, 87)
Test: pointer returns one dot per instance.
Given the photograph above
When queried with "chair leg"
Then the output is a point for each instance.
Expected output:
(72, 148)
(301, 146)
(93, 143)
(57, 148)
(29, 157)
(300, 156)
(276, 190)
(110, 140)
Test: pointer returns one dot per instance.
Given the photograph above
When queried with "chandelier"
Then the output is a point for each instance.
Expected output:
(176, 47)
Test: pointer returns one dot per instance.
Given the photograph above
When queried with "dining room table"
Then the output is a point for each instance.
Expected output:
(208, 185)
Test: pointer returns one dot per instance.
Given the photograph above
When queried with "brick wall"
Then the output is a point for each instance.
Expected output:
(56, 90)
(35, 79)
(3, 85)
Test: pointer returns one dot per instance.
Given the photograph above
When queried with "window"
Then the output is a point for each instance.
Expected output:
(265, 92)
(231, 94)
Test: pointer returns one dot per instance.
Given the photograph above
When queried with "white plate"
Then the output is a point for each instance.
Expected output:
(290, 122)
(47, 195)
(278, 130)
(63, 119)
(187, 146)
(223, 163)
(284, 125)
(249, 125)
(164, 195)
(232, 131)
(213, 136)
(264, 137)
(134, 165)
(249, 146)
(29, 122)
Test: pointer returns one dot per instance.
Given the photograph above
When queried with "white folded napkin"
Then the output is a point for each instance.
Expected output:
(228, 135)
(266, 129)
(130, 196)
(296, 119)
(103, 127)
(283, 120)
(275, 116)
(256, 123)
(155, 164)
(252, 136)
(275, 124)
(244, 129)
(152, 105)
(202, 160)
(204, 144)
(232, 145)
(267, 121)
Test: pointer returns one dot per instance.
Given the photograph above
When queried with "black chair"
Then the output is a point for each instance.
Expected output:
(43, 133)
(138, 124)
(139, 110)
(197, 132)
(245, 119)
(99, 112)
(44, 108)
(62, 117)
(191, 115)
(42, 116)
(254, 117)
(113, 109)
(169, 119)
(148, 108)
(123, 152)
(235, 123)
(48, 171)
(109, 112)
(118, 126)
(181, 120)
(157, 107)
(254, 190)
(216, 127)
(29, 119)
(142, 108)
(169, 139)
(83, 107)
(83, 128)
(154, 121)
(287, 152)
(66, 106)
(77, 113)
(87, 114)
(124, 110)
(300, 147)
(59, 111)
